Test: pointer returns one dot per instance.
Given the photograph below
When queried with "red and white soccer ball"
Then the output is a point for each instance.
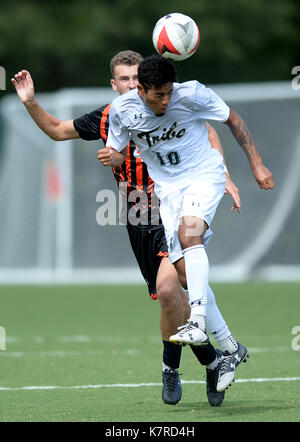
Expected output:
(176, 36)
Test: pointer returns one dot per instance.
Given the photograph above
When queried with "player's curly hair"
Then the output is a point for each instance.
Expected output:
(156, 71)
(129, 58)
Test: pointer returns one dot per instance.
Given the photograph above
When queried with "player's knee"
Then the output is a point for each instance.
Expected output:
(167, 296)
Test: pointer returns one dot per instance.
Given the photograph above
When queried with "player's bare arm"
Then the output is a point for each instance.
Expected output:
(111, 157)
(240, 132)
(230, 187)
(53, 127)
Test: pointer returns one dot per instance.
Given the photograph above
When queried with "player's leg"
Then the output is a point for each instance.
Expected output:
(196, 207)
(233, 352)
(217, 326)
(170, 210)
(150, 249)
(172, 303)
(199, 203)
(207, 355)
(191, 236)
(172, 314)
(175, 310)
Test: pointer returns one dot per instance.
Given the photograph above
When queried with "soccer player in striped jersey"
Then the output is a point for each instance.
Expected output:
(147, 237)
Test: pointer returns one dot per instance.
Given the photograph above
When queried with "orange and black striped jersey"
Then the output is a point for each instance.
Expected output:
(132, 176)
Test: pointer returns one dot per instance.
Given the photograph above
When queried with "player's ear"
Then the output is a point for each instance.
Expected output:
(113, 85)
(141, 90)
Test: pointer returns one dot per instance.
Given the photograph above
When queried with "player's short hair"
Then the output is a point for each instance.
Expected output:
(156, 71)
(129, 58)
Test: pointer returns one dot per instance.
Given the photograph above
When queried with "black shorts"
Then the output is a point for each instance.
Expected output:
(149, 247)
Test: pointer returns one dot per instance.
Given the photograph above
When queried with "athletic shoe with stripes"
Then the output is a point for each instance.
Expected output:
(189, 333)
(215, 398)
(229, 363)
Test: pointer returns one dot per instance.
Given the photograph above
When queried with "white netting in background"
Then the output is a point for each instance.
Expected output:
(48, 190)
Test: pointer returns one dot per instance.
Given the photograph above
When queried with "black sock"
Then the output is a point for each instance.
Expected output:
(171, 354)
(205, 354)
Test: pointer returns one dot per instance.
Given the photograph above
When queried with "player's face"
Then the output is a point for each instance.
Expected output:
(125, 78)
(157, 99)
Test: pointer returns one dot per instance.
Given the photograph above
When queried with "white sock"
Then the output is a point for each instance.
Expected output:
(217, 326)
(228, 344)
(199, 319)
(166, 367)
(197, 270)
(215, 322)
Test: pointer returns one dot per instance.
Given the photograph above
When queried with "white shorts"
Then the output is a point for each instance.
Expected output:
(199, 199)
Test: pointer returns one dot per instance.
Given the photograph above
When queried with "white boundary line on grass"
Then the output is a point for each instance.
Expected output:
(154, 384)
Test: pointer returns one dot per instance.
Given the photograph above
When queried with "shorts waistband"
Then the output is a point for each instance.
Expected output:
(144, 228)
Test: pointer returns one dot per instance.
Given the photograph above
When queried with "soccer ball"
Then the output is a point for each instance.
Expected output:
(176, 36)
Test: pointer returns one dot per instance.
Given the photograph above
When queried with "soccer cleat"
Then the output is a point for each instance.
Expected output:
(214, 397)
(172, 391)
(190, 334)
(229, 363)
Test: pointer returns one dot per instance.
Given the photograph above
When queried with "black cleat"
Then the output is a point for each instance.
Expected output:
(171, 392)
(229, 364)
(215, 398)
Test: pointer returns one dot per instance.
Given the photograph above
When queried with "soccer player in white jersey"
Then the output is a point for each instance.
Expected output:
(167, 120)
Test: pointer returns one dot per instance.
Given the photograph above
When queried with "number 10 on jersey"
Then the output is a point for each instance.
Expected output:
(171, 158)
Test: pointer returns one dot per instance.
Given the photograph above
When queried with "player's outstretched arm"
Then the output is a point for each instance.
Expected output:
(230, 187)
(111, 157)
(240, 132)
(53, 127)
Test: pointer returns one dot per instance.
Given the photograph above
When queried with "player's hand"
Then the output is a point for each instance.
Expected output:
(105, 156)
(231, 188)
(24, 86)
(110, 157)
(263, 177)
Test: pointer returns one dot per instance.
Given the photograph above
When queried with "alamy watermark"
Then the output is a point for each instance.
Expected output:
(129, 207)
(296, 79)
(296, 340)
(139, 207)
(2, 338)
(2, 79)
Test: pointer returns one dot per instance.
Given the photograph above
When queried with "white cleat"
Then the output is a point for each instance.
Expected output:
(190, 334)
(229, 364)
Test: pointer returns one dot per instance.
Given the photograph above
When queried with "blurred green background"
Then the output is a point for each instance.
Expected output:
(69, 43)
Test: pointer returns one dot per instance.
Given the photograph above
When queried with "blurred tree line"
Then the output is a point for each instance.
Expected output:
(69, 43)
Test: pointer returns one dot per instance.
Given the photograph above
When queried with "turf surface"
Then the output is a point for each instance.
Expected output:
(86, 350)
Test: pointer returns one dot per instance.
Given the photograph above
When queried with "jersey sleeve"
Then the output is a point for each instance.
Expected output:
(88, 125)
(118, 134)
(209, 105)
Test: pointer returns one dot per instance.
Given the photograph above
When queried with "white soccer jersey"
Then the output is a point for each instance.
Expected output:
(174, 146)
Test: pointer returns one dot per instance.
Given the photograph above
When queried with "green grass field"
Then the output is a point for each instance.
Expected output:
(91, 348)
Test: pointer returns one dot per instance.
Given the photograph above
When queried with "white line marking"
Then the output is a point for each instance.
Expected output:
(154, 384)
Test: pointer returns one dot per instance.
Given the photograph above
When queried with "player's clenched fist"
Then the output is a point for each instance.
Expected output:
(263, 177)
(110, 157)
(105, 156)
